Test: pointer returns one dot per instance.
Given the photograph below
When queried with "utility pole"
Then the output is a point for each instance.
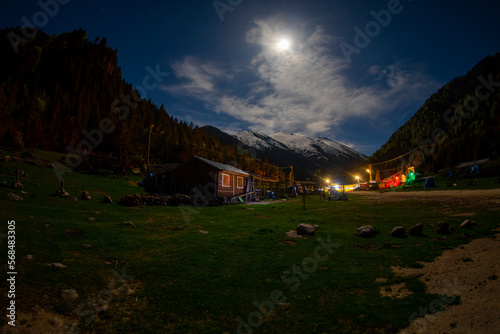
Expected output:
(149, 141)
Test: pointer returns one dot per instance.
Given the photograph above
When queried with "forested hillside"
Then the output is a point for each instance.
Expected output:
(57, 86)
(461, 122)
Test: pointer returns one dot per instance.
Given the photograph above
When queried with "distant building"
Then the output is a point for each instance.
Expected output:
(199, 175)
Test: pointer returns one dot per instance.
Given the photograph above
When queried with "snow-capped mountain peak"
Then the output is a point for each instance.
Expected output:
(321, 151)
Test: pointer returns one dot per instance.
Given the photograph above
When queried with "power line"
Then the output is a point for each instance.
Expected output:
(401, 156)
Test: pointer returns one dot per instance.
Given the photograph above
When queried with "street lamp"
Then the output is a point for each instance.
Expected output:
(370, 172)
(357, 178)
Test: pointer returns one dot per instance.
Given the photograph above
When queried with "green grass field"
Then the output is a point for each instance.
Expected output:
(226, 269)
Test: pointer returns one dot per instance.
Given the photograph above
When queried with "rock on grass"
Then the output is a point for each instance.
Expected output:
(443, 228)
(399, 232)
(305, 229)
(366, 231)
(14, 197)
(417, 229)
(129, 224)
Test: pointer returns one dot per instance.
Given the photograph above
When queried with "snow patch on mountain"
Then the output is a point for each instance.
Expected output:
(257, 140)
(318, 149)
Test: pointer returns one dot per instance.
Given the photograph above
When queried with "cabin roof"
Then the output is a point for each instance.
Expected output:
(221, 166)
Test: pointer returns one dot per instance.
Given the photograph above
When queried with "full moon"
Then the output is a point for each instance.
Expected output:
(284, 44)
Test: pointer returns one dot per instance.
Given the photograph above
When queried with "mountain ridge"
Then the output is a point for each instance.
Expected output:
(307, 154)
(460, 122)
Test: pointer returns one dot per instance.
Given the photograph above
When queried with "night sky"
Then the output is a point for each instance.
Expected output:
(281, 65)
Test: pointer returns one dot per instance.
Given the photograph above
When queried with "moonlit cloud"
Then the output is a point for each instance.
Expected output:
(303, 89)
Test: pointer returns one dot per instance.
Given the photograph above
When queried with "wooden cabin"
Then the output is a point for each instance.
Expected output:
(225, 181)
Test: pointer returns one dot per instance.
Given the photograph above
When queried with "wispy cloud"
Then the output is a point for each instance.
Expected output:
(305, 89)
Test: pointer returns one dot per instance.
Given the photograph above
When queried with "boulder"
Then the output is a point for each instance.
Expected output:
(85, 196)
(468, 224)
(155, 200)
(366, 231)
(62, 193)
(14, 197)
(107, 199)
(69, 295)
(129, 224)
(57, 265)
(183, 199)
(129, 201)
(73, 198)
(399, 232)
(305, 229)
(417, 230)
(443, 228)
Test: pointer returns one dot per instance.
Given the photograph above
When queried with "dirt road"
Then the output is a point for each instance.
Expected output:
(475, 280)
(490, 196)
(471, 271)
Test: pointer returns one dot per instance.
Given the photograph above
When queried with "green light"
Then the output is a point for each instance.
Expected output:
(412, 177)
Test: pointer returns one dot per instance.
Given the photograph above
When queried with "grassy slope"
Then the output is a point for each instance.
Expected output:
(201, 283)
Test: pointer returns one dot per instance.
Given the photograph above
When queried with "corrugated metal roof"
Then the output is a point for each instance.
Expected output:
(220, 166)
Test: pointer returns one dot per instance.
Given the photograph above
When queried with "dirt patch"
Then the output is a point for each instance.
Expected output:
(381, 280)
(474, 280)
(398, 290)
(70, 232)
(465, 214)
(40, 321)
(276, 201)
(260, 216)
(367, 247)
(289, 242)
(293, 234)
(391, 245)
(449, 197)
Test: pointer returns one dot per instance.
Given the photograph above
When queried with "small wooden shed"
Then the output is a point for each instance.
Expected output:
(161, 178)
(213, 178)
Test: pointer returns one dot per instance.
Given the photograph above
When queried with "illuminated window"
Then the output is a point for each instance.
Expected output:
(226, 180)
(239, 183)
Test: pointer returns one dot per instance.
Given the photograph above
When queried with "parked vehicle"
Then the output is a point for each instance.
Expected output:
(337, 196)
